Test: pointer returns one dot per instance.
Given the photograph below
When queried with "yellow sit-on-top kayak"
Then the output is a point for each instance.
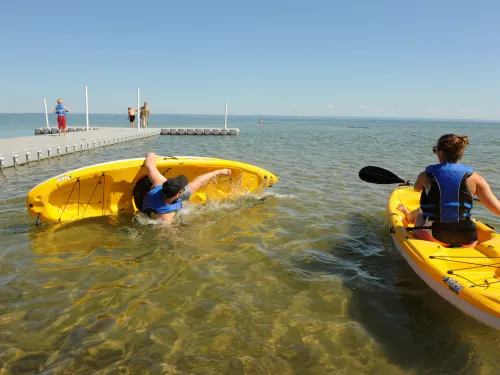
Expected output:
(111, 188)
(469, 278)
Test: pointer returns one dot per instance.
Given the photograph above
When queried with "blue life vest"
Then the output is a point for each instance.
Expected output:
(153, 202)
(449, 199)
(60, 110)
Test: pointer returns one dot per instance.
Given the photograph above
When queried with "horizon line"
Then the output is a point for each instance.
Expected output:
(261, 116)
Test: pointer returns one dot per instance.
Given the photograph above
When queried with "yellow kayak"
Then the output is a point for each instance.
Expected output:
(469, 278)
(108, 188)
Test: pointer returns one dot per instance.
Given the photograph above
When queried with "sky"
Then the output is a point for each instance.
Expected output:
(424, 59)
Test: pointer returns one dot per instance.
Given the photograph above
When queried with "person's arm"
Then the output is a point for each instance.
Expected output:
(204, 179)
(154, 174)
(421, 182)
(483, 192)
(55, 110)
(67, 110)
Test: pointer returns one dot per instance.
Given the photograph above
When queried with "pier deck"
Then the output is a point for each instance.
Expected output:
(17, 151)
(46, 144)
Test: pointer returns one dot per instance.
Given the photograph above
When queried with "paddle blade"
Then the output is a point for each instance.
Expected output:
(377, 175)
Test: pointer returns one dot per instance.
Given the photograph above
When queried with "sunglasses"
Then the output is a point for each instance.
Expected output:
(435, 149)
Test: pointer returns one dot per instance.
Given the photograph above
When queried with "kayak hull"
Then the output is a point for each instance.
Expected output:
(468, 278)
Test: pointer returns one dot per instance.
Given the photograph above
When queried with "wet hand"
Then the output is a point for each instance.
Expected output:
(224, 172)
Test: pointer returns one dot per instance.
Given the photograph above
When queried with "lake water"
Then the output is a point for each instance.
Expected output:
(301, 280)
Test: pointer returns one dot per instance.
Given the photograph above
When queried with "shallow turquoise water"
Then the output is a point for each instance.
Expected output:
(302, 280)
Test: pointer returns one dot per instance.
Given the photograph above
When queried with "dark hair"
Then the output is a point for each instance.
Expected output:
(453, 146)
(129, 108)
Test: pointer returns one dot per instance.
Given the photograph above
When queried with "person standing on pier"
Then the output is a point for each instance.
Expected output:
(61, 111)
(131, 116)
(145, 112)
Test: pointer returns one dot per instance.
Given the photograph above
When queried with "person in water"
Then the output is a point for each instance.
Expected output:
(166, 195)
(131, 116)
(61, 111)
(447, 190)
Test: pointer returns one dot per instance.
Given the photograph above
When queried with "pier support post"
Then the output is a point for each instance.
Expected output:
(87, 108)
(46, 114)
(138, 114)
(225, 116)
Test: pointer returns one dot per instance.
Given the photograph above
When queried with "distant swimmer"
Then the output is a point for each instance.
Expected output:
(61, 111)
(260, 121)
(131, 116)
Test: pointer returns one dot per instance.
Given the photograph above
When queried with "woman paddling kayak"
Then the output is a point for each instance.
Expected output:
(447, 190)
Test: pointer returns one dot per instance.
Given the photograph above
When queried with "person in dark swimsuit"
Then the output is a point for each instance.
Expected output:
(131, 116)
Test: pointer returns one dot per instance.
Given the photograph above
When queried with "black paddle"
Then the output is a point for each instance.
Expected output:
(377, 175)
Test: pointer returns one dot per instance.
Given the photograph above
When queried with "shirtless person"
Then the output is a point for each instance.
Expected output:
(166, 195)
(131, 116)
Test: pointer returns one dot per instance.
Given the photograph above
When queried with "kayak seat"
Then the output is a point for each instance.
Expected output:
(455, 234)
(141, 188)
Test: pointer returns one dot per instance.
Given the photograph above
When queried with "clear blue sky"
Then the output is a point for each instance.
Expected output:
(339, 58)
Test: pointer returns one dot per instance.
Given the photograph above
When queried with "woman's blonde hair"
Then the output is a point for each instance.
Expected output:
(453, 146)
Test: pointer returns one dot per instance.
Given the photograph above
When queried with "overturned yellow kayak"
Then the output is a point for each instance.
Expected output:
(108, 188)
(469, 278)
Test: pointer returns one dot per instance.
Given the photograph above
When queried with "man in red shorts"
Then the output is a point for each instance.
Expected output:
(61, 111)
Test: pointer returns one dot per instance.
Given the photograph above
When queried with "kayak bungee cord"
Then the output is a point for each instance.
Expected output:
(95, 187)
(71, 192)
(475, 265)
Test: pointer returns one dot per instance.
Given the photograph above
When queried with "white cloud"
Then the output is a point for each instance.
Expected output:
(369, 108)
(330, 106)
(87, 51)
(463, 110)
(295, 106)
